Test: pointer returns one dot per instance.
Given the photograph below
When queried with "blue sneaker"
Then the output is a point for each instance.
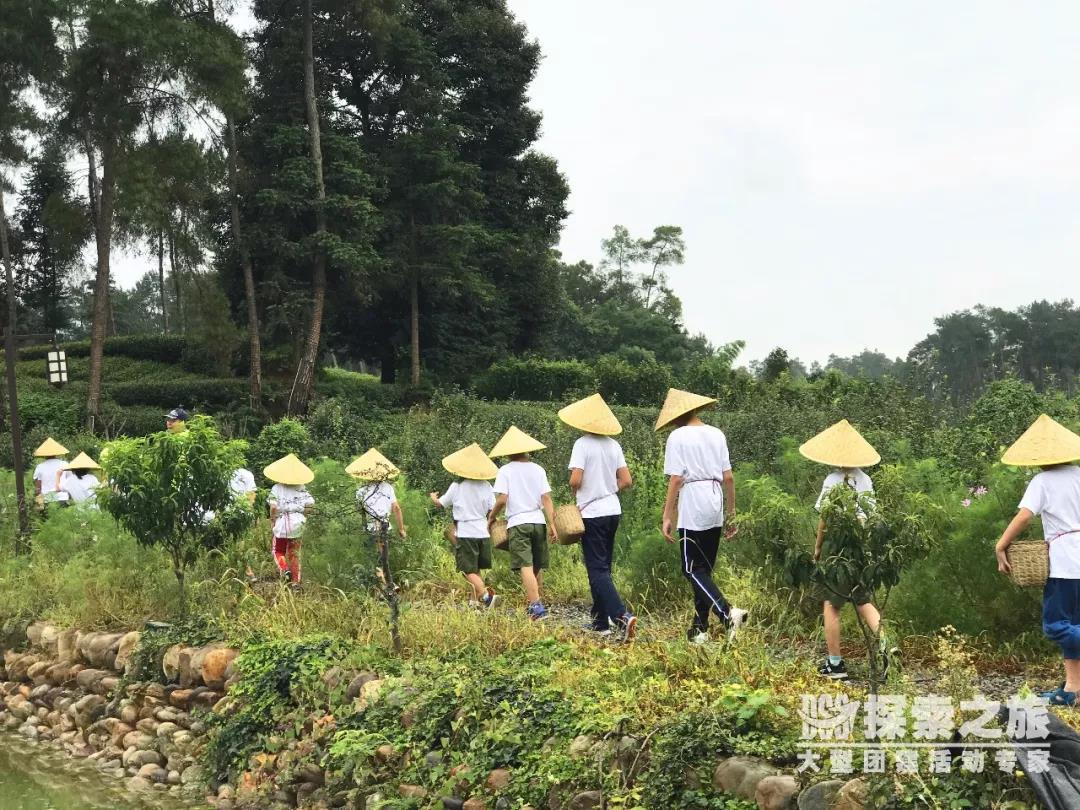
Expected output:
(537, 611)
(1059, 697)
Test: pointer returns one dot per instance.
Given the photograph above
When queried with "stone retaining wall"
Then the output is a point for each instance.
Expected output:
(67, 689)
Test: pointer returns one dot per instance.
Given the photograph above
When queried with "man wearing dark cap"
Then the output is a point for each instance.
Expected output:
(176, 420)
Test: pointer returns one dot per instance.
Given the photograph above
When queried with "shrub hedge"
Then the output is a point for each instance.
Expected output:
(194, 393)
(535, 379)
(160, 348)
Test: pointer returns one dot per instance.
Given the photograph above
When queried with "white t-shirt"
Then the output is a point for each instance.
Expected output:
(242, 482)
(45, 472)
(80, 489)
(698, 453)
(599, 458)
(470, 501)
(523, 483)
(854, 478)
(376, 501)
(290, 502)
(1054, 495)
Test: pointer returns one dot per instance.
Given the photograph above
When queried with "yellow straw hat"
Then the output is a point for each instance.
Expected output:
(471, 462)
(1044, 443)
(515, 441)
(290, 471)
(678, 403)
(49, 448)
(373, 466)
(591, 415)
(82, 462)
(840, 446)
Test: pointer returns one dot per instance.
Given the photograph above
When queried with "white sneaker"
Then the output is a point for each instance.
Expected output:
(700, 639)
(736, 619)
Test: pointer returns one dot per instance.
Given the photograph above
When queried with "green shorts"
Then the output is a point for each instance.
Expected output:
(473, 554)
(528, 546)
(858, 598)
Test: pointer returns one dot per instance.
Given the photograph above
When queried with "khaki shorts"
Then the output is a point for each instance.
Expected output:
(473, 554)
(528, 546)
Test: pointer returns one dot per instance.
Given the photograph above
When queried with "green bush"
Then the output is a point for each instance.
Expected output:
(277, 440)
(159, 348)
(535, 379)
(637, 379)
(196, 394)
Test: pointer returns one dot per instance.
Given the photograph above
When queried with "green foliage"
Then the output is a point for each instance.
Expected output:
(159, 348)
(632, 377)
(154, 641)
(535, 379)
(163, 485)
(275, 678)
(739, 721)
(199, 394)
(276, 440)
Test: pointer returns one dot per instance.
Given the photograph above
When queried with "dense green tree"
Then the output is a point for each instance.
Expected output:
(54, 226)
(867, 363)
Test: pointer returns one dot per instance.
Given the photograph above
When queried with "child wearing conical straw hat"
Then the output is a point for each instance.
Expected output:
(699, 506)
(77, 480)
(289, 503)
(470, 499)
(47, 472)
(1053, 495)
(844, 449)
(375, 496)
(598, 473)
(522, 489)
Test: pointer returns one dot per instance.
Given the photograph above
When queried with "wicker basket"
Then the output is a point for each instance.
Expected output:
(499, 538)
(569, 527)
(1029, 561)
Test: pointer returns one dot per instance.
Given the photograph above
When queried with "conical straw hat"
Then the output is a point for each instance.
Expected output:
(50, 447)
(471, 462)
(373, 466)
(289, 470)
(515, 441)
(591, 415)
(82, 462)
(677, 403)
(1044, 443)
(840, 446)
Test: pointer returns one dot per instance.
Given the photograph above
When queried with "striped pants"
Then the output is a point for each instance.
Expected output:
(698, 549)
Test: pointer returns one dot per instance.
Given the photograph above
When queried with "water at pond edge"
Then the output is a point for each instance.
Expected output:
(36, 776)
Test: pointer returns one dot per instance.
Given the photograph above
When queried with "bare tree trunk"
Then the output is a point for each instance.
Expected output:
(254, 341)
(414, 327)
(414, 307)
(175, 273)
(304, 381)
(9, 361)
(161, 279)
(101, 281)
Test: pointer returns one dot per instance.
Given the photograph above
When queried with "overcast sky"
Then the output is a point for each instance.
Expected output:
(844, 171)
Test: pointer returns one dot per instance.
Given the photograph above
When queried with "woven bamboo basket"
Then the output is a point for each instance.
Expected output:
(450, 533)
(499, 537)
(569, 527)
(1030, 563)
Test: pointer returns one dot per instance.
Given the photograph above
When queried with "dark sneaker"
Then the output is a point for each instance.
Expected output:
(1059, 697)
(537, 611)
(286, 575)
(490, 598)
(628, 625)
(834, 672)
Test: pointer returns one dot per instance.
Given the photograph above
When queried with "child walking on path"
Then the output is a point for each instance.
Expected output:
(289, 502)
(598, 473)
(1053, 495)
(78, 482)
(844, 449)
(700, 497)
(47, 472)
(470, 500)
(375, 497)
(522, 489)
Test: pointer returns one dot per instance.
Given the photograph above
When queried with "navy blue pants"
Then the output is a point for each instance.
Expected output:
(597, 548)
(1061, 615)
(698, 550)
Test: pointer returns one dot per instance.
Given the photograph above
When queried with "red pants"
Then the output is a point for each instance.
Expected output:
(287, 556)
